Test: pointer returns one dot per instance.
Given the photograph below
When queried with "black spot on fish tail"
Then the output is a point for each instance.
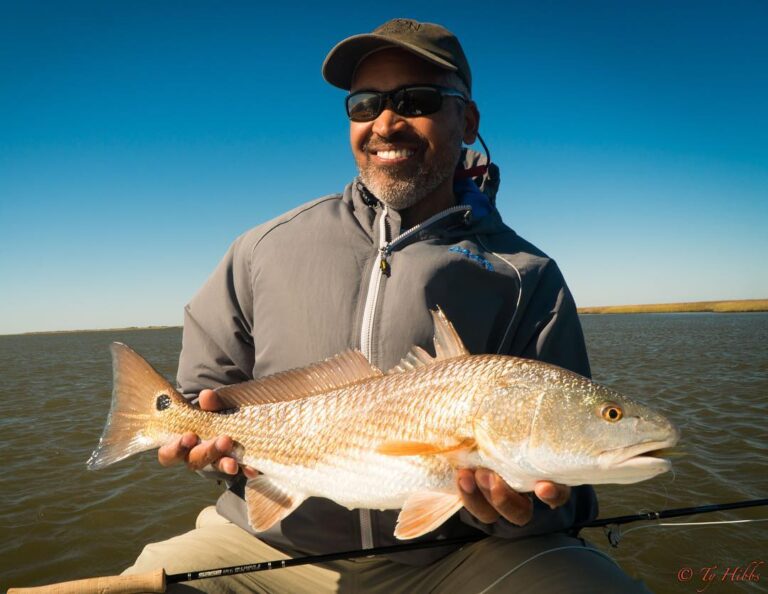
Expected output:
(163, 401)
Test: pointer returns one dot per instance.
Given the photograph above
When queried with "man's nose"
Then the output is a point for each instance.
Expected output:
(388, 122)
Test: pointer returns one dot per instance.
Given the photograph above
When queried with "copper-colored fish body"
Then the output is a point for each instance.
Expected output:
(343, 430)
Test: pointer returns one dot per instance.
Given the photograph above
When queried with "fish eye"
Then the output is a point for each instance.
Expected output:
(611, 412)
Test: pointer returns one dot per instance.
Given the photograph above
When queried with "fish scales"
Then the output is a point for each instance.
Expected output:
(428, 404)
(341, 429)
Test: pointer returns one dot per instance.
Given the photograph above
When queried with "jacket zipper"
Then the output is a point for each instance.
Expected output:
(385, 249)
(366, 345)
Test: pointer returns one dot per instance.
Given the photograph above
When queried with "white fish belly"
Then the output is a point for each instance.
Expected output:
(365, 480)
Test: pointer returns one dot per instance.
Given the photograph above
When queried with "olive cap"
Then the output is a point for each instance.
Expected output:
(429, 41)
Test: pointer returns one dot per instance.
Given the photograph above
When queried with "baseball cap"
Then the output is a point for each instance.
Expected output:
(434, 43)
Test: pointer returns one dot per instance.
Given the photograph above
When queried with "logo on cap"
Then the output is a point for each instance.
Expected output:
(400, 26)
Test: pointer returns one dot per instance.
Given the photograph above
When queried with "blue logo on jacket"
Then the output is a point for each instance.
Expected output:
(476, 257)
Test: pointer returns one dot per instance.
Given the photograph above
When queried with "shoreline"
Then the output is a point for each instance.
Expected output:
(124, 329)
(727, 306)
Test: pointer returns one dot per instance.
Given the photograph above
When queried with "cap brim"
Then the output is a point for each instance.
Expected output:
(341, 62)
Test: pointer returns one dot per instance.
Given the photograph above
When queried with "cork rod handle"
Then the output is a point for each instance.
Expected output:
(153, 581)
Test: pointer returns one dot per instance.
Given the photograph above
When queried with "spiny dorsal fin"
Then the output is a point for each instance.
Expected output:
(268, 503)
(447, 342)
(338, 371)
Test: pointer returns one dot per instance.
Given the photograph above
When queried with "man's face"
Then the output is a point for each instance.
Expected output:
(403, 159)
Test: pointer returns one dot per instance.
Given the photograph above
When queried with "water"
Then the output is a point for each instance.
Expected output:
(708, 372)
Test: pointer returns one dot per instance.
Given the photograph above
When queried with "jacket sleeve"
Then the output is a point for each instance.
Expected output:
(553, 331)
(549, 330)
(217, 345)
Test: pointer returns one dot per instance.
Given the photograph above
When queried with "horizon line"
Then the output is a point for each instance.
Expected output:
(711, 306)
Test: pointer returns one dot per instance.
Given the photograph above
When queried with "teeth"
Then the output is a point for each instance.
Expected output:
(398, 154)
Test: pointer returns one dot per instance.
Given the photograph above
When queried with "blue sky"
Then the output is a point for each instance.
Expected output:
(138, 139)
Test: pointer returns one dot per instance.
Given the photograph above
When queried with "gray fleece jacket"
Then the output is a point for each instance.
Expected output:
(339, 273)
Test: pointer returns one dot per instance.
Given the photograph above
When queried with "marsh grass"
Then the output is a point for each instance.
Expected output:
(741, 305)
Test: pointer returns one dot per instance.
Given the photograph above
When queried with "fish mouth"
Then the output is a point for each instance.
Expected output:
(647, 455)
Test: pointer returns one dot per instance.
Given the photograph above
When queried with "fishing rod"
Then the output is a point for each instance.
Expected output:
(157, 580)
(613, 532)
(672, 513)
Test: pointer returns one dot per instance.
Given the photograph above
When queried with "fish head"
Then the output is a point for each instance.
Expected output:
(571, 430)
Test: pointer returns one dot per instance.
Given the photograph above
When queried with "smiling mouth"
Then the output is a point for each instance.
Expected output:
(393, 154)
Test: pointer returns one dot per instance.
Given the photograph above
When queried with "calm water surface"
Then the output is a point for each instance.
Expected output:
(708, 372)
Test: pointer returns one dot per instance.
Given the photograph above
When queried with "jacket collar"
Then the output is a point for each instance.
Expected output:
(478, 192)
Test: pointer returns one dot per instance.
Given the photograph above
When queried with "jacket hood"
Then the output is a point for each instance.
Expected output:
(488, 181)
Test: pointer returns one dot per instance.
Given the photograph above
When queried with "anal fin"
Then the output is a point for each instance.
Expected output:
(268, 503)
(424, 512)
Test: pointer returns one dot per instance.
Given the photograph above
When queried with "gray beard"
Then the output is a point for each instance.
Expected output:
(401, 189)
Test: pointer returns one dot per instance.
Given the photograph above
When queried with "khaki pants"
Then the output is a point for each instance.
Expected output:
(552, 563)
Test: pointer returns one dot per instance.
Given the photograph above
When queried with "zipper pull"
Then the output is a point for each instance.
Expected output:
(384, 266)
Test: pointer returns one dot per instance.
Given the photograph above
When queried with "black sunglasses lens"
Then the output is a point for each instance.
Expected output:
(364, 106)
(417, 101)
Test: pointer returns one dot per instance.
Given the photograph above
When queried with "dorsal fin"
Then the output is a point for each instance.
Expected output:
(338, 371)
(447, 343)
(416, 357)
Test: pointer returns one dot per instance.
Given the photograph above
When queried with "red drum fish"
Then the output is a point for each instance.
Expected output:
(344, 430)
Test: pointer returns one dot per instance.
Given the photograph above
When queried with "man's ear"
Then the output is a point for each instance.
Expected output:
(471, 122)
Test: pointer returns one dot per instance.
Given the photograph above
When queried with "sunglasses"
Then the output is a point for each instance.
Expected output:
(409, 101)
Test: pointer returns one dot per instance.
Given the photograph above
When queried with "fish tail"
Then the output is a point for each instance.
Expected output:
(141, 401)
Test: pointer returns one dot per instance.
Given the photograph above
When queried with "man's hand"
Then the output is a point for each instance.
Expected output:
(487, 497)
(199, 454)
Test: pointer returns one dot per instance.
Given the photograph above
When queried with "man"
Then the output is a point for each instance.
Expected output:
(361, 270)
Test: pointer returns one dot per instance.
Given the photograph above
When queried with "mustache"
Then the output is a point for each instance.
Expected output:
(377, 142)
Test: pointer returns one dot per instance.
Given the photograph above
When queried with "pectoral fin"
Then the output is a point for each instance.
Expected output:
(424, 512)
(418, 448)
(268, 503)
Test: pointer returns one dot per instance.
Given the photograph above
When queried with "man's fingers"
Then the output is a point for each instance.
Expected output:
(504, 500)
(209, 452)
(473, 497)
(198, 454)
(176, 451)
(487, 497)
(553, 494)
(210, 400)
(227, 465)
(515, 507)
